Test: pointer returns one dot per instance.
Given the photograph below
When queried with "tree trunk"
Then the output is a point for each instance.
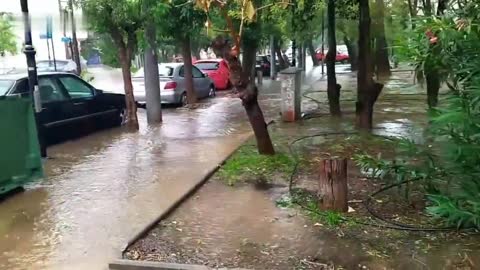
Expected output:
(333, 188)
(281, 60)
(441, 7)
(312, 52)
(75, 50)
(247, 92)
(187, 61)
(427, 7)
(152, 81)
(382, 62)
(333, 90)
(433, 87)
(248, 64)
(352, 53)
(300, 56)
(367, 90)
(126, 62)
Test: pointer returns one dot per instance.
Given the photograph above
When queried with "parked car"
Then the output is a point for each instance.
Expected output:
(340, 57)
(172, 84)
(262, 64)
(217, 70)
(62, 66)
(71, 106)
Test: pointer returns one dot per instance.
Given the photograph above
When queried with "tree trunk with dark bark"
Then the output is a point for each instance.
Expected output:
(333, 188)
(352, 53)
(367, 90)
(281, 60)
(333, 90)
(248, 64)
(187, 61)
(433, 87)
(382, 62)
(126, 62)
(125, 54)
(312, 52)
(427, 7)
(441, 7)
(247, 92)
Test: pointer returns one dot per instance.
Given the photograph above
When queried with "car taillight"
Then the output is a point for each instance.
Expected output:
(170, 86)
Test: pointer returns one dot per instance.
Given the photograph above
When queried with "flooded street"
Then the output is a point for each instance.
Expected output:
(100, 190)
(245, 226)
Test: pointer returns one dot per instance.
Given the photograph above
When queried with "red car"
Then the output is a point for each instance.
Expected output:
(341, 57)
(217, 70)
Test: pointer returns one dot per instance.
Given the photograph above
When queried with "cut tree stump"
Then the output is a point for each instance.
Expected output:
(333, 188)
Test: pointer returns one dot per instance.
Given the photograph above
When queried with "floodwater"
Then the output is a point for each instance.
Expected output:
(241, 226)
(99, 191)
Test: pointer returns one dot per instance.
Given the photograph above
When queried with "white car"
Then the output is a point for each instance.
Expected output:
(68, 66)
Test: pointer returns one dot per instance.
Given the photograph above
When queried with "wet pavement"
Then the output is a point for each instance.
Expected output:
(241, 226)
(102, 189)
(99, 191)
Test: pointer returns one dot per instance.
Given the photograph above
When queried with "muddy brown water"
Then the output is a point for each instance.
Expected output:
(100, 190)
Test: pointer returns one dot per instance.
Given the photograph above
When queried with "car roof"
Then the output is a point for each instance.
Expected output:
(209, 60)
(18, 76)
(173, 64)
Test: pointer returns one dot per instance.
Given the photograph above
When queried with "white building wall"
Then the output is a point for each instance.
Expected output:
(39, 10)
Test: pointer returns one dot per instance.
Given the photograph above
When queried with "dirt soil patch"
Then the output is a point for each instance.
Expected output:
(246, 216)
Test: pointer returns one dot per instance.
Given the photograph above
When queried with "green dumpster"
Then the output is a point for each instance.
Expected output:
(20, 160)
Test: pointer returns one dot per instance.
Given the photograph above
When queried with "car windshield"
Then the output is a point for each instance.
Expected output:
(207, 65)
(50, 64)
(5, 86)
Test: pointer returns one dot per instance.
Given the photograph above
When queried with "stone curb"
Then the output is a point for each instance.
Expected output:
(177, 203)
(146, 265)
(123, 264)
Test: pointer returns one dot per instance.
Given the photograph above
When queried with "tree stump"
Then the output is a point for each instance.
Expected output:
(333, 188)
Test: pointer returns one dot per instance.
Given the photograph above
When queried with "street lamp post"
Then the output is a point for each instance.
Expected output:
(30, 52)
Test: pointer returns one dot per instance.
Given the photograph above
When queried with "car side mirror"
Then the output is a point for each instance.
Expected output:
(98, 92)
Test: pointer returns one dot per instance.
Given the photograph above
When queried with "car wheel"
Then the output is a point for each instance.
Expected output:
(122, 116)
(183, 99)
(212, 93)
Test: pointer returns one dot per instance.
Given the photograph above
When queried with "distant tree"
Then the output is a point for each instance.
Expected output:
(367, 89)
(333, 89)
(228, 48)
(184, 24)
(122, 20)
(7, 38)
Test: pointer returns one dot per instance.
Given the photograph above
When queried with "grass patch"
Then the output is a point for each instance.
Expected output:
(309, 203)
(246, 164)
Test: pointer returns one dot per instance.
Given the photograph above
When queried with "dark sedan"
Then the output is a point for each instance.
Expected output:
(70, 106)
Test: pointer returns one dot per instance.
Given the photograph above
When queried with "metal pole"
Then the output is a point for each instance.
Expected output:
(53, 53)
(294, 43)
(323, 41)
(30, 52)
(273, 64)
(48, 49)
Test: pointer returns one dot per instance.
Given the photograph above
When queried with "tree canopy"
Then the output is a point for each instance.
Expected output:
(7, 38)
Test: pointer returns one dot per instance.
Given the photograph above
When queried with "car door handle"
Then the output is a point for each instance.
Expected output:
(78, 103)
